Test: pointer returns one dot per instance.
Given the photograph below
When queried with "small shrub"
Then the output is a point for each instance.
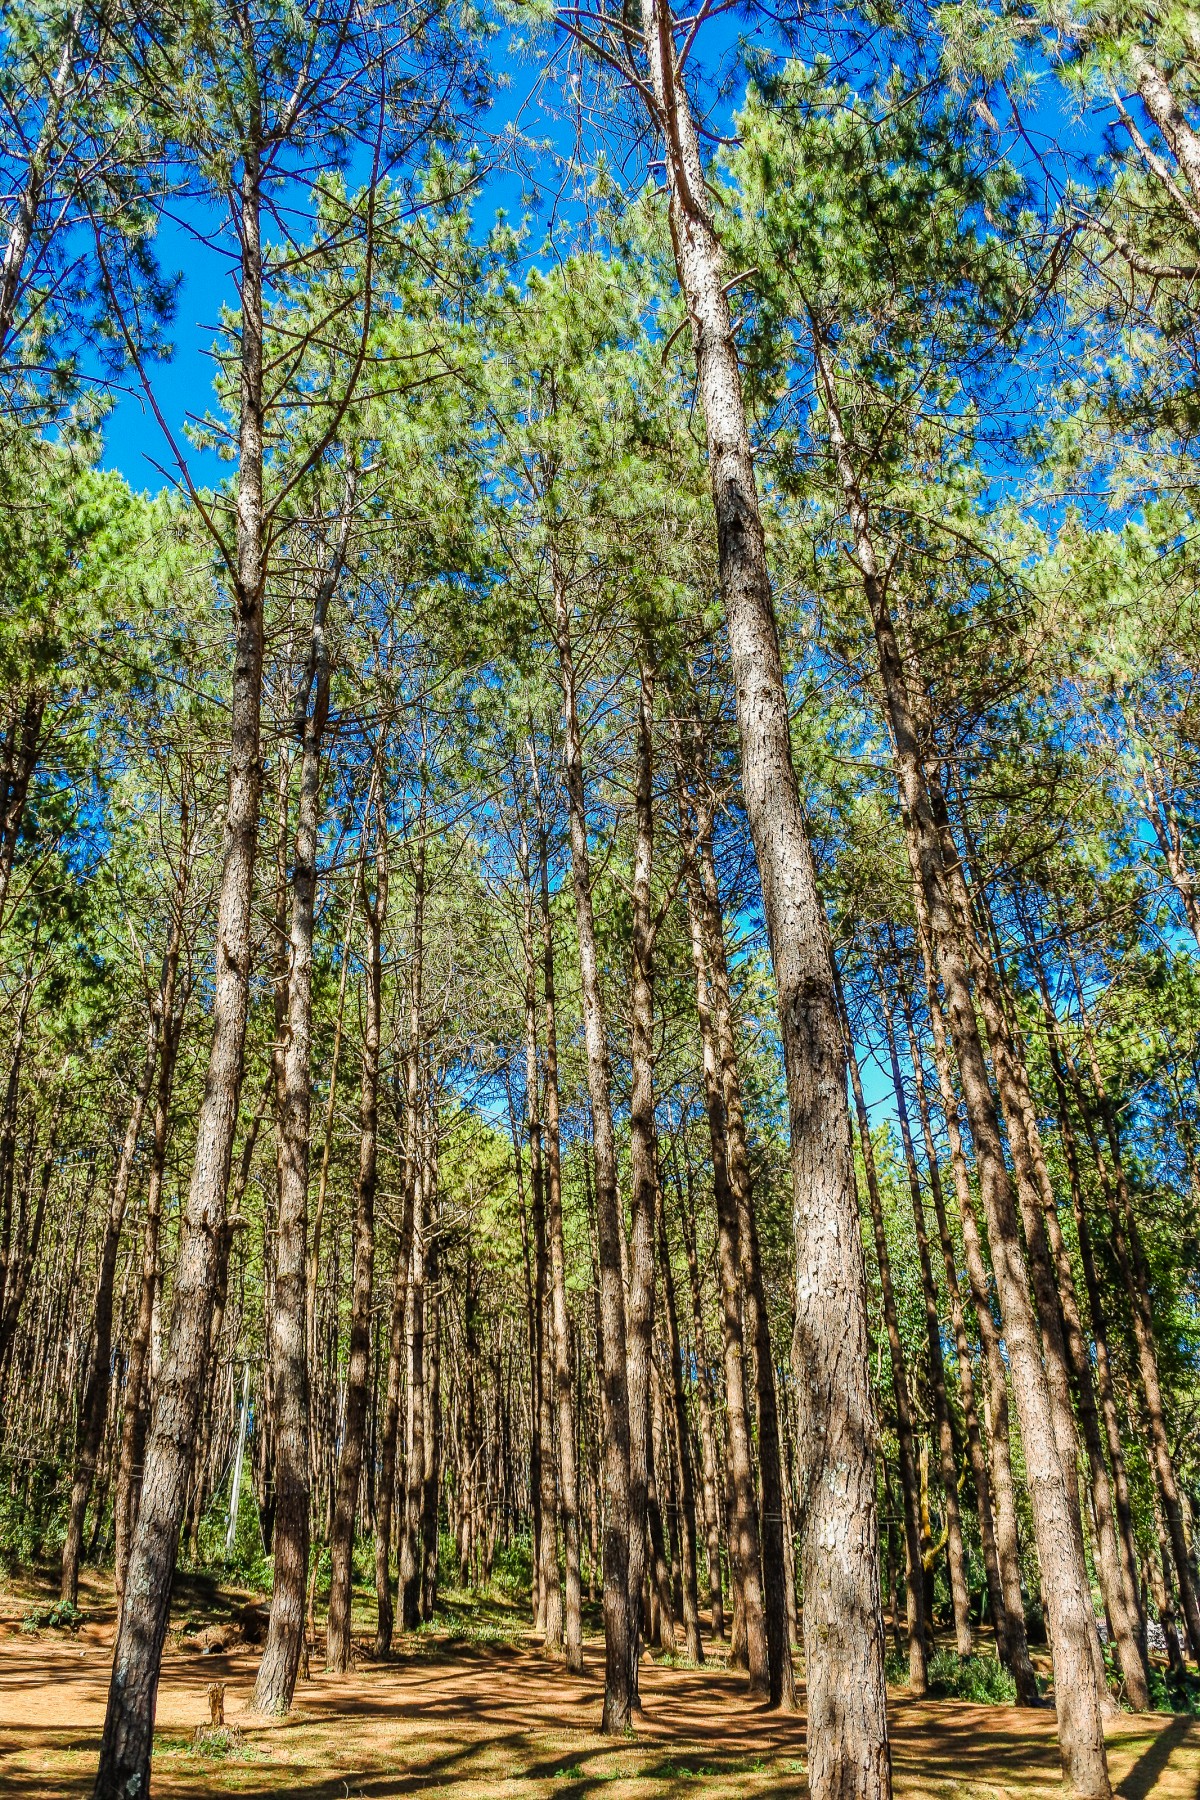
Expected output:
(981, 1679)
(62, 1616)
(1175, 1693)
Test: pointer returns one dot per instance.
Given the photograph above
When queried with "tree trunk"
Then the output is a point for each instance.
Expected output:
(1131, 1261)
(618, 1692)
(744, 1548)
(956, 1557)
(704, 1392)
(385, 1497)
(136, 1407)
(129, 1721)
(276, 1681)
(682, 1444)
(914, 1573)
(93, 1411)
(567, 1469)
(341, 1544)
(843, 1631)
(1071, 1622)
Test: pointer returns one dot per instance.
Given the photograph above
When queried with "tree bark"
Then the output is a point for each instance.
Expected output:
(129, 1722)
(848, 1752)
(276, 1680)
(959, 1584)
(704, 1393)
(568, 1473)
(385, 1497)
(914, 1573)
(341, 1543)
(682, 1444)
(618, 1692)
(1071, 1622)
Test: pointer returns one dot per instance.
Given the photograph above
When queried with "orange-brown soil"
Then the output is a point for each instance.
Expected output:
(498, 1722)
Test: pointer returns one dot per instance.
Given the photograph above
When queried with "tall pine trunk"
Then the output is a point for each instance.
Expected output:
(848, 1753)
(133, 1687)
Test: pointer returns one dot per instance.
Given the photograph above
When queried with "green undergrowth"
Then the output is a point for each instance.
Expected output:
(982, 1680)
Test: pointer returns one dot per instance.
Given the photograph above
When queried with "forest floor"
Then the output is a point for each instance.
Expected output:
(473, 1710)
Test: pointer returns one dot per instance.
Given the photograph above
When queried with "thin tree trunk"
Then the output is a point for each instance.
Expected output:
(385, 1498)
(914, 1572)
(618, 1692)
(341, 1544)
(93, 1411)
(782, 1684)
(129, 1722)
(276, 1680)
(959, 1584)
(568, 1473)
(708, 1441)
(744, 1548)
(683, 1454)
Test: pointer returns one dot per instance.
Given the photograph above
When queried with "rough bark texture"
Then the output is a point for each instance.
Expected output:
(129, 1722)
(843, 1630)
(276, 1680)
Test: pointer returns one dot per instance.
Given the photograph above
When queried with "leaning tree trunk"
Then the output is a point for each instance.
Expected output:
(129, 1722)
(358, 1374)
(1071, 1622)
(848, 1752)
(618, 1692)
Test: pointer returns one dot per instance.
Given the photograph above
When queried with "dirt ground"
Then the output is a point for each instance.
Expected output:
(494, 1721)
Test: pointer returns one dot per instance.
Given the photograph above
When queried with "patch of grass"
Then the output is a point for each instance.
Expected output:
(217, 1741)
(575, 1773)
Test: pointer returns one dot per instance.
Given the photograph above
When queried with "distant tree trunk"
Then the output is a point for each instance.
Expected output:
(960, 1595)
(704, 1395)
(431, 1488)
(918, 1680)
(744, 1548)
(998, 1527)
(1131, 1262)
(136, 1406)
(341, 1544)
(682, 1444)
(549, 1586)
(567, 1467)
(93, 1411)
(386, 1493)
(410, 1539)
(642, 1157)
(1062, 1066)
(129, 1723)
(276, 1681)
(847, 1723)
(618, 1693)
